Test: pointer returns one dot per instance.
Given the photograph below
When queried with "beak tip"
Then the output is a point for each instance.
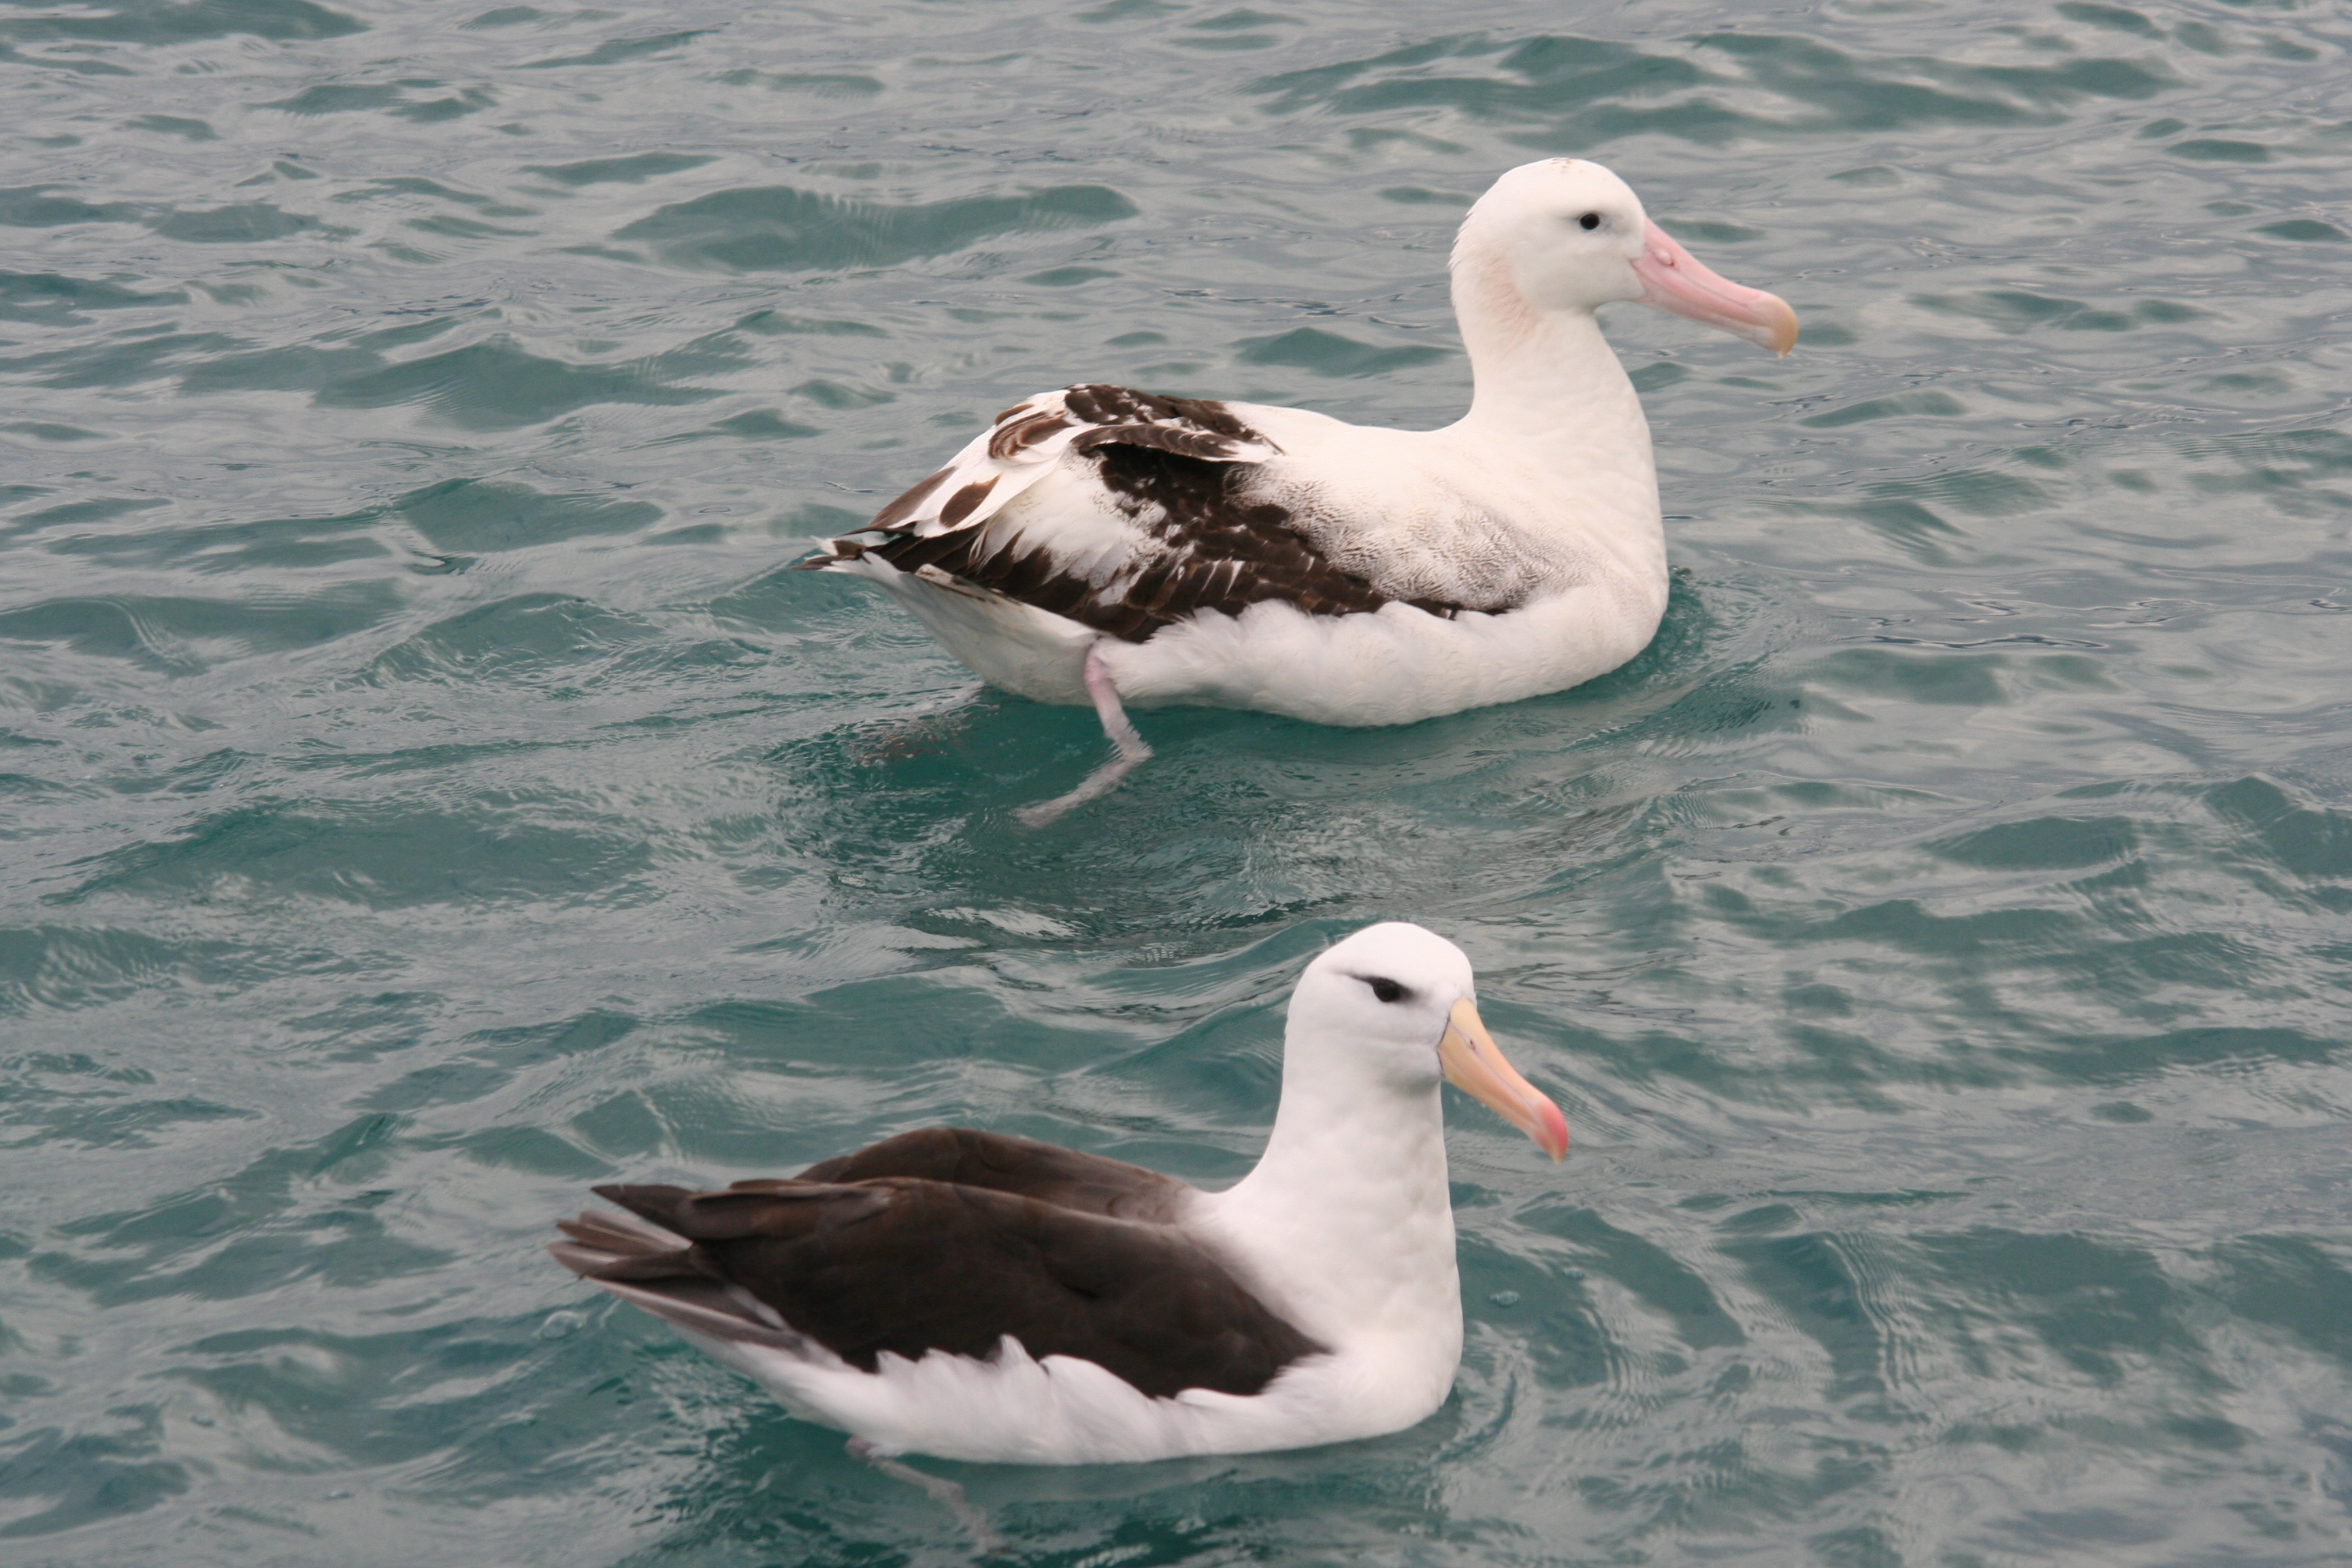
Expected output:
(1472, 1064)
(1554, 1141)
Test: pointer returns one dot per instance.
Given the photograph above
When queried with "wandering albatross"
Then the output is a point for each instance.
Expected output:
(1103, 545)
(978, 1297)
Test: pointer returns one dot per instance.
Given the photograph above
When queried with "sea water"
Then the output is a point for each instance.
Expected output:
(426, 792)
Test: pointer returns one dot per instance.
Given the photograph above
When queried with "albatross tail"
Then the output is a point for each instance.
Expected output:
(641, 1262)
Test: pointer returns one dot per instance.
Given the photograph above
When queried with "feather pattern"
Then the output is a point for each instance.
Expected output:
(1021, 444)
(1202, 528)
(907, 1267)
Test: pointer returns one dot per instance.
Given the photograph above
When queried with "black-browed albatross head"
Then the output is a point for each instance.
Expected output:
(1394, 1009)
(1566, 235)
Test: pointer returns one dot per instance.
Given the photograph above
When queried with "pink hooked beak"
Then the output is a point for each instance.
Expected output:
(1672, 280)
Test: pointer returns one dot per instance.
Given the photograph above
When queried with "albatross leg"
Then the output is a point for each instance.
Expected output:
(1129, 747)
(939, 1488)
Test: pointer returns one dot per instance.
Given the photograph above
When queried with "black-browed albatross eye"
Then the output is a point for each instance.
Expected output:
(1589, 220)
(1385, 989)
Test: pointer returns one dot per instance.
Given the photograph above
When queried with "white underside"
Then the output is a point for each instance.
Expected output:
(1397, 665)
(1013, 1409)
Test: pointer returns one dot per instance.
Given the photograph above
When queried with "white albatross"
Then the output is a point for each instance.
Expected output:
(1102, 545)
(977, 1297)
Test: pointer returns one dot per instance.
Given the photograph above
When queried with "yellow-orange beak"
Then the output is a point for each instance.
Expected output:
(1475, 1064)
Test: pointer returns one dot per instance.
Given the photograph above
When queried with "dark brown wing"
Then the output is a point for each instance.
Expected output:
(910, 1265)
(1021, 1166)
(657, 1269)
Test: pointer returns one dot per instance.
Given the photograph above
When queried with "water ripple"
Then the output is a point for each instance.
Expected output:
(427, 792)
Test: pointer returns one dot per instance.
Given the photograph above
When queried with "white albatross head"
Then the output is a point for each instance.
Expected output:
(1395, 1005)
(1566, 235)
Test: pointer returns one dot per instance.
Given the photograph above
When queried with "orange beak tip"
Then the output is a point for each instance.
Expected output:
(1473, 1064)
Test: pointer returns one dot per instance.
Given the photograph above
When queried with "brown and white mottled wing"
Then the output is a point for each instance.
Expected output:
(1173, 515)
(1028, 438)
(906, 1266)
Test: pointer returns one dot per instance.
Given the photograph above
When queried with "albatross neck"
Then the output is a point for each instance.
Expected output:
(1546, 379)
(1347, 1210)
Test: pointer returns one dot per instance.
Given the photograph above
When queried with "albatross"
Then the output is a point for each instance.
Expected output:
(974, 1296)
(1103, 545)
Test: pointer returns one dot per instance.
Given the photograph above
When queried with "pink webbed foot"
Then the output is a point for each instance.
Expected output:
(1128, 749)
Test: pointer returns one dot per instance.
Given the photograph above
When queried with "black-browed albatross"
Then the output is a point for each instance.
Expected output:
(1098, 544)
(978, 1297)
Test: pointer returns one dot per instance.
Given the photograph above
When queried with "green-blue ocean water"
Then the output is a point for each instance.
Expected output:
(426, 792)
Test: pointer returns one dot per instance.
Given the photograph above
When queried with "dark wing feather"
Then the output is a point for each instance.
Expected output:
(910, 1265)
(1185, 472)
(647, 1265)
(1021, 1166)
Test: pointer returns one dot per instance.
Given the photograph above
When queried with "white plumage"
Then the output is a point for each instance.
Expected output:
(1098, 544)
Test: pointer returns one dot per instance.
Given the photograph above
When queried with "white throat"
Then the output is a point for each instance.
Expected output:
(1346, 1226)
(1546, 378)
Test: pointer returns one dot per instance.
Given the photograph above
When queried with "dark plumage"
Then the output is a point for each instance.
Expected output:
(946, 1240)
(1000, 1162)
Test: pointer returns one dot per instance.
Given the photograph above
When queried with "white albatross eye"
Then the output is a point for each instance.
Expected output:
(1589, 221)
(1387, 990)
